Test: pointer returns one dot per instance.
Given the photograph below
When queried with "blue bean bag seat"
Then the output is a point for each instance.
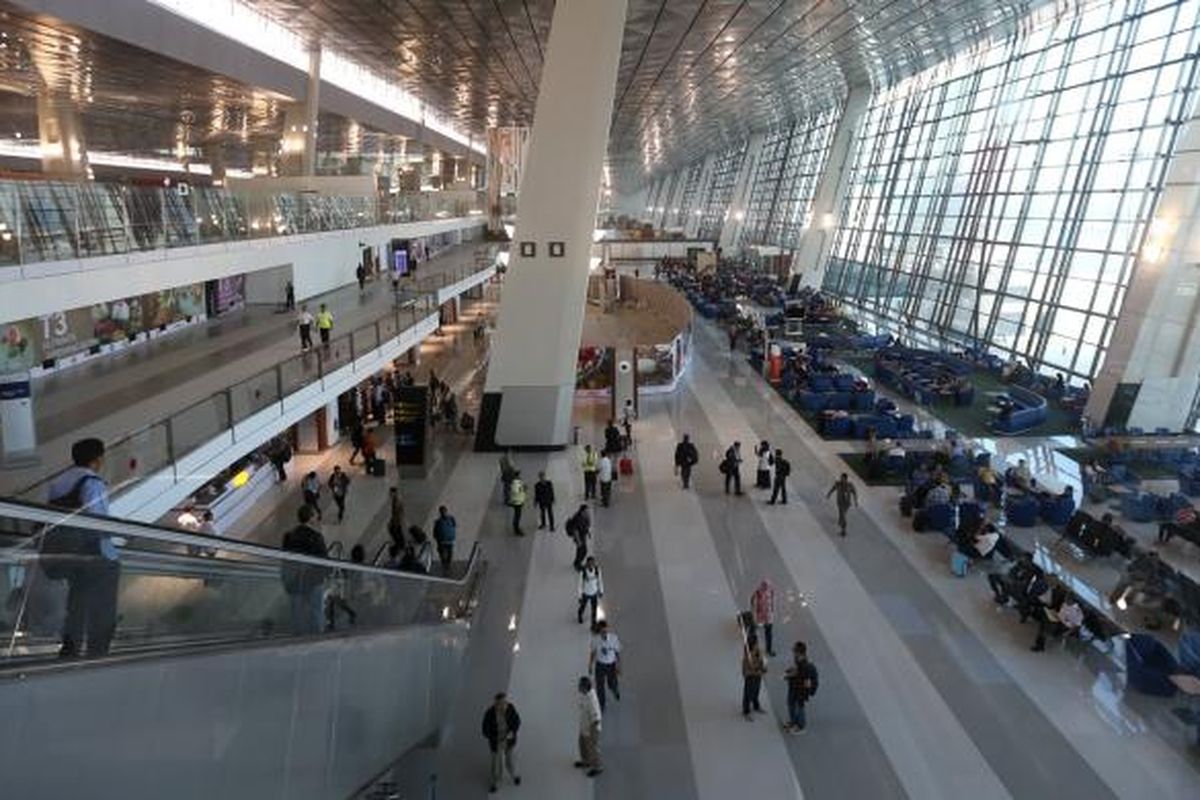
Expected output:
(1021, 511)
(820, 383)
(1139, 507)
(812, 401)
(839, 401)
(904, 425)
(895, 464)
(843, 382)
(1149, 665)
(1057, 510)
(862, 401)
(838, 427)
(939, 517)
(1189, 652)
(969, 514)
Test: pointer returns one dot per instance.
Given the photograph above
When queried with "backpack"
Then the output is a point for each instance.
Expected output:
(60, 543)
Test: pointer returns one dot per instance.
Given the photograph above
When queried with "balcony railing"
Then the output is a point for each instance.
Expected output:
(56, 220)
(163, 442)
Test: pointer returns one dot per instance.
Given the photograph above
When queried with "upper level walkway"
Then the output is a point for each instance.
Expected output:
(154, 402)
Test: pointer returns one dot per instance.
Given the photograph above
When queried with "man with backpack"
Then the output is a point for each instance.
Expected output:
(802, 684)
(783, 468)
(579, 528)
(88, 562)
(731, 468)
(686, 457)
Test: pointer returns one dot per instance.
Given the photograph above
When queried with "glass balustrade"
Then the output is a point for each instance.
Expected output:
(56, 220)
(175, 589)
(164, 442)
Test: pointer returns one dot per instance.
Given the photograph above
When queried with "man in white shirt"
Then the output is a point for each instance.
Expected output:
(304, 320)
(606, 478)
(589, 729)
(605, 661)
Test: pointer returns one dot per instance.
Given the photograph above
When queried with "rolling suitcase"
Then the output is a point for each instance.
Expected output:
(959, 564)
(625, 466)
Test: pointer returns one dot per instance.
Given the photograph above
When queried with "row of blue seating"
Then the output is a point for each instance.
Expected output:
(1027, 412)
(858, 426)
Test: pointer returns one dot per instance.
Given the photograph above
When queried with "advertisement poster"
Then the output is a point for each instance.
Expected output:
(400, 263)
(410, 407)
(226, 294)
(65, 333)
(17, 349)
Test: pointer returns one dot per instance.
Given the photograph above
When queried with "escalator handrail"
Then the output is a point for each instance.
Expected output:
(44, 515)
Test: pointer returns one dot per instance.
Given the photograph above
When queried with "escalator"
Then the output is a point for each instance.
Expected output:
(218, 682)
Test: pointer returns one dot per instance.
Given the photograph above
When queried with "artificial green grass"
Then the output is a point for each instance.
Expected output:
(1141, 468)
(975, 420)
(858, 463)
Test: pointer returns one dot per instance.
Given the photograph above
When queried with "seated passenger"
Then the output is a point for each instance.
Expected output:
(1183, 523)
(897, 450)
(1064, 617)
(939, 495)
(1020, 476)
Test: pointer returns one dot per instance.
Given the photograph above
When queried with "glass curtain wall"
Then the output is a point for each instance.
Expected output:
(714, 205)
(1000, 200)
(807, 153)
(765, 185)
(691, 191)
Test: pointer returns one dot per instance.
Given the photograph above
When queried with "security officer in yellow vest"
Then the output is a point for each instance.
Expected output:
(591, 465)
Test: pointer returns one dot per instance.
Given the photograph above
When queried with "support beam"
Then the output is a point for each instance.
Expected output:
(300, 124)
(1150, 375)
(816, 241)
(531, 380)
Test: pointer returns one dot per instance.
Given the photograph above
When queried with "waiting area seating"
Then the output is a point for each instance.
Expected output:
(925, 376)
(1018, 411)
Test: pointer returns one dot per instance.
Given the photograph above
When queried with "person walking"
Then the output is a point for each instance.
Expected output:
(396, 517)
(310, 487)
(305, 583)
(361, 274)
(590, 716)
(591, 588)
(579, 528)
(731, 467)
(591, 463)
(762, 475)
(507, 472)
(339, 483)
(516, 499)
(847, 495)
(289, 297)
(605, 474)
(357, 434)
(280, 453)
(500, 725)
(325, 324)
(304, 323)
(783, 468)
(753, 669)
(445, 531)
(368, 450)
(762, 606)
(686, 457)
(802, 681)
(89, 563)
(604, 661)
(543, 498)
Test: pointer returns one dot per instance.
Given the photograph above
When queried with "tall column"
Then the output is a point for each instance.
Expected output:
(506, 151)
(816, 241)
(1150, 373)
(531, 380)
(738, 201)
(60, 129)
(300, 123)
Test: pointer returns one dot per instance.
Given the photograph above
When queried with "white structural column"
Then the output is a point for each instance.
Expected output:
(735, 216)
(531, 379)
(1155, 347)
(300, 123)
(815, 242)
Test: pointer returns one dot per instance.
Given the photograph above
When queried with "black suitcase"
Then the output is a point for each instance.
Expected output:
(378, 468)
(906, 506)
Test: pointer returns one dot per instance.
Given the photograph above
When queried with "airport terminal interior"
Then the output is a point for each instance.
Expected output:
(600, 399)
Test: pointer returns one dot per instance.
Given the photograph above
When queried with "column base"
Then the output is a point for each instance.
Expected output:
(525, 418)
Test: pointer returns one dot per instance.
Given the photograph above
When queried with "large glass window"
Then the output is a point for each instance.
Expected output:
(807, 153)
(999, 200)
(691, 192)
(714, 205)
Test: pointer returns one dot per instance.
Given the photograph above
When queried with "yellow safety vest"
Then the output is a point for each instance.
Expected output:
(516, 493)
(324, 320)
(591, 462)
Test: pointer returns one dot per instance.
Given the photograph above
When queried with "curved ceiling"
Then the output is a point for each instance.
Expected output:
(694, 73)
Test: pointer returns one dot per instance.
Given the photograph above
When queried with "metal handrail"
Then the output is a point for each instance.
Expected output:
(224, 396)
(48, 517)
